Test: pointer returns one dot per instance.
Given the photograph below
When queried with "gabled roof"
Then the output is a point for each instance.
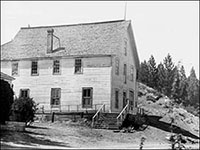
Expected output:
(101, 38)
(6, 77)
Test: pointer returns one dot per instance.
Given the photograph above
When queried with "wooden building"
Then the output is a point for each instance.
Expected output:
(74, 67)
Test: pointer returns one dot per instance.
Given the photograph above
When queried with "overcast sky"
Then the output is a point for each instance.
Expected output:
(159, 27)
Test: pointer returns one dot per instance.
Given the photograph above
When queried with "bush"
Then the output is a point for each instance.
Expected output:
(6, 100)
(23, 110)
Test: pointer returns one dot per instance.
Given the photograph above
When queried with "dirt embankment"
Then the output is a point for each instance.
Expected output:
(162, 110)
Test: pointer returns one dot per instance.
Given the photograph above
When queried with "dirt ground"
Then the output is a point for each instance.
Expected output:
(66, 135)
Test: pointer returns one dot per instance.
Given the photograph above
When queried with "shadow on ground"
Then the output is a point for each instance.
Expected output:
(154, 121)
(25, 138)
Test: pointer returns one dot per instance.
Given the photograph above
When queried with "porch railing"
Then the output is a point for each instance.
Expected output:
(68, 108)
(101, 109)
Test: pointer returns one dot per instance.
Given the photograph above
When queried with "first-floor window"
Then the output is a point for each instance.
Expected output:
(131, 98)
(24, 93)
(124, 99)
(87, 94)
(116, 99)
(55, 96)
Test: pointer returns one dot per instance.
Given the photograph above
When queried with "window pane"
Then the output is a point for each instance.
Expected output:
(131, 73)
(24, 93)
(78, 65)
(117, 67)
(56, 66)
(15, 69)
(34, 67)
(116, 99)
(125, 73)
(87, 98)
(55, 96)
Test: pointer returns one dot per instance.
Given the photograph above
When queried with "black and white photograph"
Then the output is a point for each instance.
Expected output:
(99, 75)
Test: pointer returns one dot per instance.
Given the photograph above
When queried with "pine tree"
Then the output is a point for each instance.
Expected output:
(176, 86)
(193, 89)
(161, 77)
(169, 72)
(183, 85)
(152, 72)
(144, 73)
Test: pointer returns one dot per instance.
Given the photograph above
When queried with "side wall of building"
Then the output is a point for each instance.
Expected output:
(96, 74)
(118, 80)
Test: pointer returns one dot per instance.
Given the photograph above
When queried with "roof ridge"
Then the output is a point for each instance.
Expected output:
(102, 22)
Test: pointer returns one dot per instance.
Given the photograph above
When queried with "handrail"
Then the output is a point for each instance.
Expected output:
(99, 110)
(122, 112)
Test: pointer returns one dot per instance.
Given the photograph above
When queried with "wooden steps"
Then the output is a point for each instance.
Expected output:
(107, 121)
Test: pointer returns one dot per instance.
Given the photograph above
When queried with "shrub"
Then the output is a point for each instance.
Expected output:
(23, 109)
(6, 100)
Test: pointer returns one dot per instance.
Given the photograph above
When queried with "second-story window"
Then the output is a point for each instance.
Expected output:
(14, 68)
(131, 73)
(56, 66)
(34, 68)
(117, 66)
(125, 48)
(125, 73)
(78, 66)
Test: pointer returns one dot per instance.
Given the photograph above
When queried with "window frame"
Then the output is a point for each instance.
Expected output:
(131, 102)
(125, 47)
(54, 97)
(34, 74)
(54, 67)
(125, 73)
(132, 73)
(124, 98)
(117, 64)
(12, 67)
(116, 99)
(75, 66)
(22, 90)
(90, 98)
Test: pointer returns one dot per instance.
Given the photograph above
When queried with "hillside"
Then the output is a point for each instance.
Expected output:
(163, 110)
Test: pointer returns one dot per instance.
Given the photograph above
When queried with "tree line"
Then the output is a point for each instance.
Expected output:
(171, 80)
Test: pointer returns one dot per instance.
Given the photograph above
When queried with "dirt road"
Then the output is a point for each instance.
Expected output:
(71, 135)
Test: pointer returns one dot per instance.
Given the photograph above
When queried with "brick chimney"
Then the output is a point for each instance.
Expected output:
(50, 40)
